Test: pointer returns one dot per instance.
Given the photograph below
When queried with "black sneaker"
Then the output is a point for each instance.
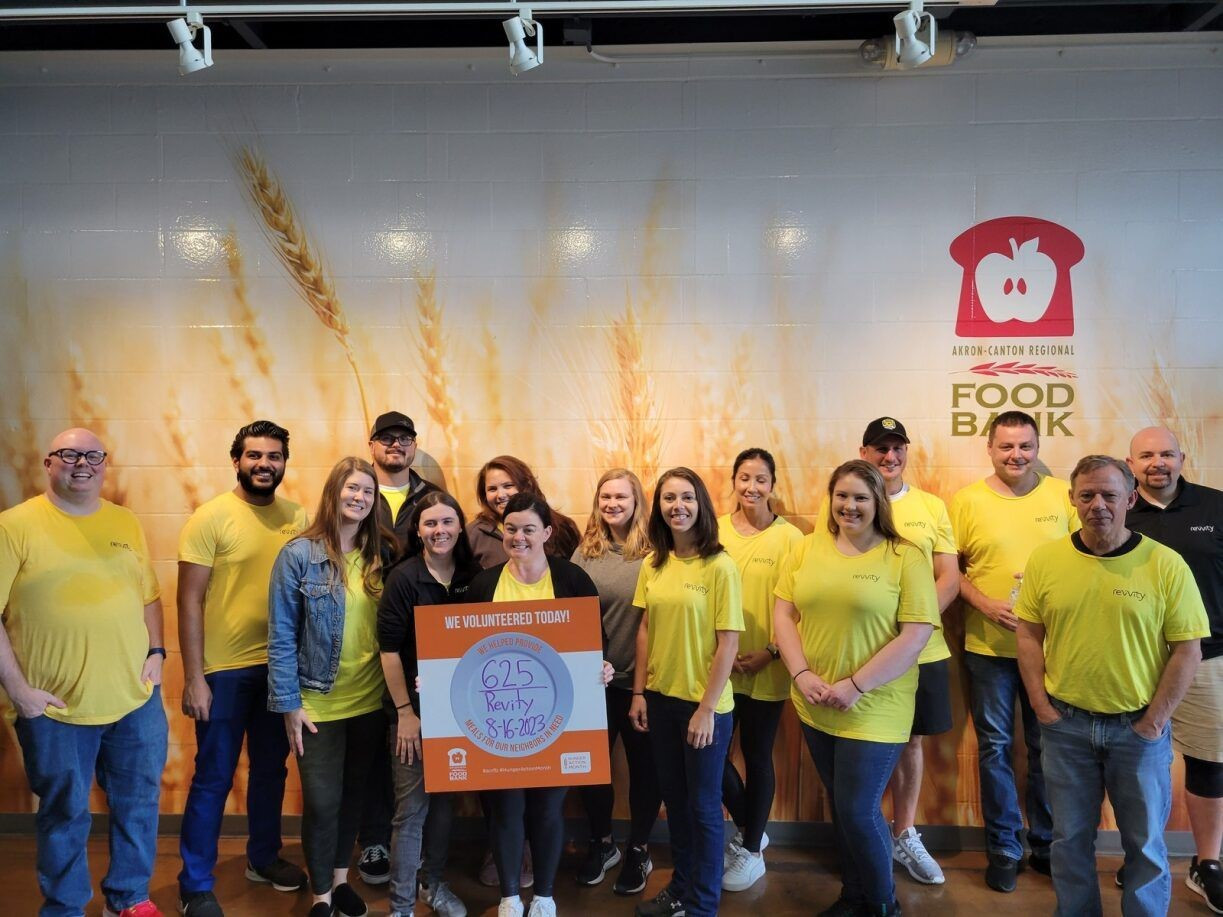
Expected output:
(882, 910)
(634, 871)
(842, 907)
(374, 867)
(346, 901)
(664, 904)
(1001, 872)
(1206, 879)
(1041, 863)
(200, 904)
(281, 874)
(321, 909)
(601, 855)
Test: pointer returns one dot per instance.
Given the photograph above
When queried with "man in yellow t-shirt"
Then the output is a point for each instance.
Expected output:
(921, 518)
(81, 657)
(998, 522)
(225, 557)
(1110, 628)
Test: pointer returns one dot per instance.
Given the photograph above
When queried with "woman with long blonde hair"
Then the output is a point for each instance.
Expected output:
(611, 552)
(324, 672)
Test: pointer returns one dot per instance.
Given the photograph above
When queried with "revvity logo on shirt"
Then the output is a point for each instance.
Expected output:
(764, 560)
(1052, 518)
(1201, 528)
(1130, 594)
(697, 587)
(915, 524)
(873, 577)
(121, 544)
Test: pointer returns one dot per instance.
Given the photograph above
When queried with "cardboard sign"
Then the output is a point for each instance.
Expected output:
(511, 695)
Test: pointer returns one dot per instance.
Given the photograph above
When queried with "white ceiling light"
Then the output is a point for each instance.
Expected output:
(517, 29)
(183, 32)
(916, 36)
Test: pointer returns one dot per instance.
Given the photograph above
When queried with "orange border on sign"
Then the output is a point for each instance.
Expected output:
(567, 625)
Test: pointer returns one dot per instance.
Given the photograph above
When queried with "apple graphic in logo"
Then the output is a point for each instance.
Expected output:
(1016, 279)
(1017, 286)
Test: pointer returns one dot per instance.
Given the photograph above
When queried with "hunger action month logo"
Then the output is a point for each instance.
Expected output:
(1016, 284)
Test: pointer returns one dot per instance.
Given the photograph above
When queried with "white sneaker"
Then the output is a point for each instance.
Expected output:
(744, 869)
(510, 907)
(737, 841)
(911, 853)
(542, 907)
(443, 901)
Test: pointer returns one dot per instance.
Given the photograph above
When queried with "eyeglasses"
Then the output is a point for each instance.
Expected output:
(71, 456)
(390, 439)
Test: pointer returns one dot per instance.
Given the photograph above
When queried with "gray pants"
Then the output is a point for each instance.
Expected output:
(407, 826)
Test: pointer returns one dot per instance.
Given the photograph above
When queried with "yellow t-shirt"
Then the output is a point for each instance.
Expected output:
(688, 600)
(239, 542)
(759, 558)
(395, 497)
(359, 682)
(510, 590)
(997, 535)
(849, 609)
(922, 520)
(1108, 620)
(74, 590)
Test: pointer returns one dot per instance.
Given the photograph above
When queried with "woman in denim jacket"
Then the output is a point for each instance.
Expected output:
(324, 672)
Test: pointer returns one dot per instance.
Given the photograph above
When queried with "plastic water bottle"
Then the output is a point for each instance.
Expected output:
(1015, 589)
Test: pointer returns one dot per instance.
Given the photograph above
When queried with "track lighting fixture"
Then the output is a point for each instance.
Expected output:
(517, 29)
(183, 32)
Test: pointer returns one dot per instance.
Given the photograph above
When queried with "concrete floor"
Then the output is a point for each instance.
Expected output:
(798, 882)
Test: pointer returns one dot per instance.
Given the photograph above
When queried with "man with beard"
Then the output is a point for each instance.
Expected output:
(1188, 518)
(225, 559)
(392, 447)
(81, 659)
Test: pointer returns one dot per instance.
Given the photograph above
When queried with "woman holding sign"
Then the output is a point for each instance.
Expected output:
(437, 569)
(611, 551)
(758, 540)
(324, 674)
(855, 605)
(498, 480)
(529, 574)
(690, 595)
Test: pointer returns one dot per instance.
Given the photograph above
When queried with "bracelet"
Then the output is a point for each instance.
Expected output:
(638, 694)
(796, 674)
(159, 650)
(401, 706)
(855, 684)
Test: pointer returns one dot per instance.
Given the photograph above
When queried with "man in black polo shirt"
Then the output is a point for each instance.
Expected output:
(1189, 519)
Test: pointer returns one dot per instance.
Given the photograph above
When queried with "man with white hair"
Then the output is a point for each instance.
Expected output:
(81, 656)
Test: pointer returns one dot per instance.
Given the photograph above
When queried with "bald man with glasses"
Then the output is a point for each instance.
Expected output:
(81, 656)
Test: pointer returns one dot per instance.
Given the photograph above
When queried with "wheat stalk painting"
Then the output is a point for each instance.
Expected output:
(298, 256)
(431, 346)
(247, 319)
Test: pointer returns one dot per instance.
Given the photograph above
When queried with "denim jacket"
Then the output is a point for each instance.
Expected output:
(305, 625)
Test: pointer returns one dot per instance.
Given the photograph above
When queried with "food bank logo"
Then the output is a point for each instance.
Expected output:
(1016, 279)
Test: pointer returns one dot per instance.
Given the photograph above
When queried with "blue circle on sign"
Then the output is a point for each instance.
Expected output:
(511, 694)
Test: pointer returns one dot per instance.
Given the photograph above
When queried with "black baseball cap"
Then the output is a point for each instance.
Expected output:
(390, 420)
(883, 426)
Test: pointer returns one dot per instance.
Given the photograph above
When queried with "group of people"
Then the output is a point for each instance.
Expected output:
(1083, 602)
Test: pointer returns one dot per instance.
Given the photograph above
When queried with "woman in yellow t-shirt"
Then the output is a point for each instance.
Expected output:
(325, 676)
(855, 605)
(529, 574)
(758, 540)
(692, 613)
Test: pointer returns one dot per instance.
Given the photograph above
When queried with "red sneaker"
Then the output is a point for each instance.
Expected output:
(145, 908)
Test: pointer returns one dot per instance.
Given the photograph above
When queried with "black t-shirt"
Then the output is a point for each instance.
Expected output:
(1192, 525)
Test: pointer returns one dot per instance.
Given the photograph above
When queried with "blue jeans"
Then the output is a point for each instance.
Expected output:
(1085, 755)
(691, 783)
(239, 708)
(407, 826)
(61, 760)
(854, 773)
(995, 685)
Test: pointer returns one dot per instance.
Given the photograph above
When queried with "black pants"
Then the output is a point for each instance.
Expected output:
(749, 805)
(542, 808)
(643, 796)
(379, 803)
(339, 763)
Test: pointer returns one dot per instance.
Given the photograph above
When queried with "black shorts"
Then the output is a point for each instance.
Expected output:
(932, 704)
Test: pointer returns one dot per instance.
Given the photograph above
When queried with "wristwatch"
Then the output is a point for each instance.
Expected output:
(773, 650)
(159, 650)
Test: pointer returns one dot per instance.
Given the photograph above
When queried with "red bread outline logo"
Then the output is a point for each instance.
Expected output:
(1016, 278)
